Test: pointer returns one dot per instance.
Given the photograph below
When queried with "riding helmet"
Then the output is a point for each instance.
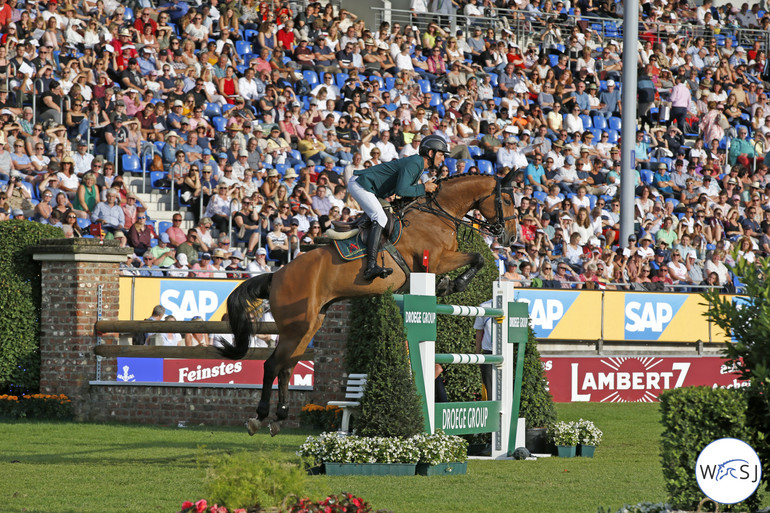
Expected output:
(432, 142)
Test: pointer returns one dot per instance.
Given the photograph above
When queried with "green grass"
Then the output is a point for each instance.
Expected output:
(93, 468)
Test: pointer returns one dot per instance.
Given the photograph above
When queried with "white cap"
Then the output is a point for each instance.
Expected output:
(181, 258)
(610, 83)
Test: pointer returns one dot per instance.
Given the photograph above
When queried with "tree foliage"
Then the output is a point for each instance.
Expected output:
(747, 319)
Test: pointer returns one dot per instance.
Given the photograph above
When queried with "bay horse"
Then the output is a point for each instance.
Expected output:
(300, 293)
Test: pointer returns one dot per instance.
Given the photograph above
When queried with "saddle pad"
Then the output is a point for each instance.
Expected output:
(355, 248)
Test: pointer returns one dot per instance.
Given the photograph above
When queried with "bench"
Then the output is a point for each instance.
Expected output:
(354, 391)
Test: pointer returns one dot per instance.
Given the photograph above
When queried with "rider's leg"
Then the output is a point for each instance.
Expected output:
(371, 205)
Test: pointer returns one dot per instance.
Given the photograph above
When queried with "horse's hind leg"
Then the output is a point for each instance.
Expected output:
(285, 372)
(263, 408)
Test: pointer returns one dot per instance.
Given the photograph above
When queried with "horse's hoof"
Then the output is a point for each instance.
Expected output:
(274, 427)
(443, 286)
(253, 425)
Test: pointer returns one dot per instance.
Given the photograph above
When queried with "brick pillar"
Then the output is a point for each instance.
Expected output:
(72, 270)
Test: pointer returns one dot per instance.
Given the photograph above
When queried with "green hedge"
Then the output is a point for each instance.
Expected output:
(692, 418)
(20, 305)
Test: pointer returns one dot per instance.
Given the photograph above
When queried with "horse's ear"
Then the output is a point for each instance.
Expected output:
(507, 180)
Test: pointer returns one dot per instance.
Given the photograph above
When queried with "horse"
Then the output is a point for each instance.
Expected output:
(300, 293)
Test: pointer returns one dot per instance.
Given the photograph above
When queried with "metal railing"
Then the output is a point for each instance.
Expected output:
(527, 26)
(232, 213)
(143, 156)
(35, 92)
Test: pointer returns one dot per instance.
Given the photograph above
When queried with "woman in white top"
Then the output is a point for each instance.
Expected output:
(171, 339)
(580, 201)
(582, 226)
(644, 203)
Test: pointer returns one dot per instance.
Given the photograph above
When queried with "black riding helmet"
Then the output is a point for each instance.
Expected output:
(432, 142)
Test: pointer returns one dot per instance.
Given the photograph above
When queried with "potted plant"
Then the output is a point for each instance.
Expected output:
(589, 436)
(565, 436)
(440, 454)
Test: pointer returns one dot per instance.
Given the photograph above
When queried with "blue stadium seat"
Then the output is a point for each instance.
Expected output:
(494, 79)
(540, 196)
(378, 79)
(485, 167)
(668, 161)
(163, 226)
(131, 163)
(243, 47)
(83, 223)
(212, 110)
(249, 34)
(128, 14)
(424, 85)
(475, 151)
(219, 123)
(615, 123)
(614, 135)
(646, 175)
(673, 201)
(311, 77)
(586, 121)
(340, 79)
(553, 59)
(451, 164)
(155, 176)
(390, 83)
(435, 100)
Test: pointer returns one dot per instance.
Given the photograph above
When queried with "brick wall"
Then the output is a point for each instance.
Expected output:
(71, 274)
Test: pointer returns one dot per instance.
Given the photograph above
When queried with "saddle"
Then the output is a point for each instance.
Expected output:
(342, 230)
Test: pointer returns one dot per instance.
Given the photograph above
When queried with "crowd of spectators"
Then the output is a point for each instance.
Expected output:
(258, 114)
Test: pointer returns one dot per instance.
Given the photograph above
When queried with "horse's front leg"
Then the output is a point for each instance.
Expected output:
(263, 408)
(445, 286)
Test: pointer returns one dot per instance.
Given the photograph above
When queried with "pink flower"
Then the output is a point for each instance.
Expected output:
(240, 510)
(218, 509)
(200, 506)
(186, 504)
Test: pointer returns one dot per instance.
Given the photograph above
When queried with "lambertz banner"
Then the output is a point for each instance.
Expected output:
(633, 378)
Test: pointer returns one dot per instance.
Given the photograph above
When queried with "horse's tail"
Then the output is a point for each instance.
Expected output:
(245, 302)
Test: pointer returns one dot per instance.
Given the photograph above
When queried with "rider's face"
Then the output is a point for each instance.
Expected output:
(438, 158)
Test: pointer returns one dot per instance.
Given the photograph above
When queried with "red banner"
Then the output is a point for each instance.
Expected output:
(632, 378)
(242, 372)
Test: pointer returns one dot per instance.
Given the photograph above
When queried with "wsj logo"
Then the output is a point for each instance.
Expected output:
(728, 470)
(647, 318)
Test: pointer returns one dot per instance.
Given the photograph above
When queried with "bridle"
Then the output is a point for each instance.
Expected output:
(495, 228)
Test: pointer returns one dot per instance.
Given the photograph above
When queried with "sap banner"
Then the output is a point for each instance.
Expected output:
(633, 378)
(182, 298)
(644, 316)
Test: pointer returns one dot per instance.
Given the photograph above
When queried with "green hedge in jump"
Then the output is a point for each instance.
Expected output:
(20, 298)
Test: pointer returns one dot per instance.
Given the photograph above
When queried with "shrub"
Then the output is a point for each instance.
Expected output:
(390, 405)
(246, 480)
(588, 433)
(536, 401)
(692, 418)
(20, 305)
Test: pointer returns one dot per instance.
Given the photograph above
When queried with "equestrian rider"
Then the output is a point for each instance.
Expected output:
(401, 177)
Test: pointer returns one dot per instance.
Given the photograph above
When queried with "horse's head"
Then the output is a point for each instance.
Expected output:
(499, 209)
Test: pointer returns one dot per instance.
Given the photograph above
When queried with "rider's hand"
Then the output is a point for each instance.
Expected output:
(430, 186)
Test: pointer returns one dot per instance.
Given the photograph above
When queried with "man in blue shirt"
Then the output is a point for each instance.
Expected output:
(582, 98)
(535, 173)
(610, 100)
(109, 213)
(662, 181)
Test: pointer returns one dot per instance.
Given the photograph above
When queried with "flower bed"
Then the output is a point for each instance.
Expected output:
(36, 406)
(428, 449)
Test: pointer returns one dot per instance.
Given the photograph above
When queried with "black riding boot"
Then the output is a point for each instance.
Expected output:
(372, 250)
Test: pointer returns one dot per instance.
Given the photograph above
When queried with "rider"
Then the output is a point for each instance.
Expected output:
(401, 177)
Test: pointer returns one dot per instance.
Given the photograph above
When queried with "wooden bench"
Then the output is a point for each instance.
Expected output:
(354, 391)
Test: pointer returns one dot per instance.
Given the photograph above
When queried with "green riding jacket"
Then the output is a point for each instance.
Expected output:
(401, 176)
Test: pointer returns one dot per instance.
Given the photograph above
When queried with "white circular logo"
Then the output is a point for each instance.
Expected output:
(728, 470)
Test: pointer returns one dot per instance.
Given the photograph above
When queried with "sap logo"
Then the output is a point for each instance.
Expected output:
(648, 316)
(185, 300)
(545, 313)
